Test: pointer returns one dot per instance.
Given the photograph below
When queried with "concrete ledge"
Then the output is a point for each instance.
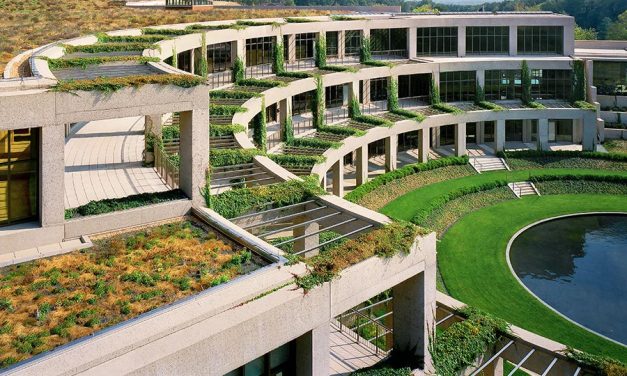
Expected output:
(26, 236)
(95, 224)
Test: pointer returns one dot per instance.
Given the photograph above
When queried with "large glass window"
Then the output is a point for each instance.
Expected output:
(414, 85)
(610, 77)
(514, 130)
(352, 42)
(334, 96)
(389, 42)
(379, 89)
(218, 57)
(280, 361)
(487, 40)
(19, 182)
(457, 86)
(502, 84)
(332, 43)
(534, 40)
(305, 45)
(447, 135)
(551, 84)
(301, 103)
(433, 41)
(259, 51)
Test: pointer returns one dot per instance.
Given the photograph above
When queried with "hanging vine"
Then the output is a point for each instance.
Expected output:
(259, 127)
(204, 66)
(321, 51)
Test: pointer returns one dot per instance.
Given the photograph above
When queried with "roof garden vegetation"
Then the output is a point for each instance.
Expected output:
(29, 24)
(112, 84)
(49, 302)
(84, 62)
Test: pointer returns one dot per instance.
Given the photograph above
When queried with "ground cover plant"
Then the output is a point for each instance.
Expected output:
(123, 203)
(49, 302)
(29, 24)
(111, 84)
(616, 146)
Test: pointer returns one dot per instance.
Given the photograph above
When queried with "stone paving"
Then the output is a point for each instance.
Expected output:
(348, 356)
(103, 159)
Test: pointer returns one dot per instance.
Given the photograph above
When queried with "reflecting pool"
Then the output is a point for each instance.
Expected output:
(578, 266)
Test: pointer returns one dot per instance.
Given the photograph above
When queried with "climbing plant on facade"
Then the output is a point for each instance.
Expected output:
(204, 66)
(525, 79)
(278, 58)
(353, 107)
(288, 130)
(578, 81)
(365, 54)
(393, 104)
(321, 51)
(238, 70)
(434, 92)
(259, 127)
(175, 57)
(318, 105)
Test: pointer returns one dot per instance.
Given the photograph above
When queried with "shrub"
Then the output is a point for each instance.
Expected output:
(585, 105)
(260, 82)
(343, 131)
(129, 202)
(175, 58)
(299, 75)
(169, 132)
(314, 143)
(353, 107)
(619, 179)
(345, 18)
(377, 63)
(233, 94)
(274, 24)
(536, 105)
(151, 31)
(479, 94)
(225, 130)
(459, 346)
(237, 202)
(616, 157)
(225, 109)
(373, 120)
(602, 364)
(238, 70)
(229, 157)
(293, 160)
(259, 127)
(358, 193)
(84, 62)
(490, 106)
(112, 84)
(339, 68)
(105, 38)
(298, 20)
(445, 107)
(409, 114)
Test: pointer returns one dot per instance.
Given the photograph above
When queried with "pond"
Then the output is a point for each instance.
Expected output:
(578, 266)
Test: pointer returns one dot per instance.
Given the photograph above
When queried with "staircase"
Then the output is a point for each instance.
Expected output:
(487, 163)
(523, 188)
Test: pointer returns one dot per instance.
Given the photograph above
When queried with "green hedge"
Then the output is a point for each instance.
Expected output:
(616, 157)
(490, 106)
(229, 157)
(299, 75)
(151, 31)
(84, 62)
(225, 109)
(225, 130)
(343, 131)
(423, 214)
(108, 47)
(358, 193)
(105, 38)
(260, 82)
(260, 130)
(237, 202)
(409, 114)
(339, 68)
(124, 203)
(618, 179)
(377, 63)
(585, 105)
(372, 120)
(525, 80)
(314, 143)
(112, 84)
(458, 346)
(298, 20)
(233, 94)
(445, 107)
(238, 70)
(384, 371)
(293, 160)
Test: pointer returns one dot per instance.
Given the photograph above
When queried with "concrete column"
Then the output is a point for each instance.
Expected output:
(341, 44)
(238, 49)
(391, 153)
(589, 130)
(291, 48)
(365, 98)
(460, 139)
(480, 132)
(480, 77)
(495, 368)
(192, 55)
(414, 306)
(526, 130)
(353, 90)
(569, 41)
(153, 124)
(577, 131)
(361, 164)
(338, 178)
(193, 151)
(309, 241)
(365, 33)
(591, 92)
(312, 352)
(412, 42)
(435, 137)
(543, 134)
(513, 40)
(423, 145)
(461, 41)
(52, 175)
(499, 136)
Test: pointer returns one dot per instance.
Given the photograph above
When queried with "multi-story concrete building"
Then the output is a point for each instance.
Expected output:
(62, 150)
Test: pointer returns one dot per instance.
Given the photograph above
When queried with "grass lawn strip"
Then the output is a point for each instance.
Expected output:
(472, 261)
(406, 207)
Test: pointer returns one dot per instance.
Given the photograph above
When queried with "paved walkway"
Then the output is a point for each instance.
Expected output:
(347, 356)
(103, 159)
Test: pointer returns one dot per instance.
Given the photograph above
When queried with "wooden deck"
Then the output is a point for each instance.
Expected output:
(348, 356)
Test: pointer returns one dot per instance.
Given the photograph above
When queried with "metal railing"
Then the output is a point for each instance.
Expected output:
(390, 54)
(355, 319)
(185, 3)
(168, 171)
(219, 79)
(273, 140)
(303, 126)
(260, 70)
(301, 64)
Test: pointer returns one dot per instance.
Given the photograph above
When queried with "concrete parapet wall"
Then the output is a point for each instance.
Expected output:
(74, 228)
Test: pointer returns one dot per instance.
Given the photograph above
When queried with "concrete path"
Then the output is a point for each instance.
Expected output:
(103, 159)
(347, 356)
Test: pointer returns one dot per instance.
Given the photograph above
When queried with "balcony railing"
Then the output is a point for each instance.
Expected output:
(186, 3)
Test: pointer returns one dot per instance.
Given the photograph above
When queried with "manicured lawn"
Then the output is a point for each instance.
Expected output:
(473, 264)
(406, 207)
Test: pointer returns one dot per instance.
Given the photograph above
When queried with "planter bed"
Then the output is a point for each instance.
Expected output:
(49, 302)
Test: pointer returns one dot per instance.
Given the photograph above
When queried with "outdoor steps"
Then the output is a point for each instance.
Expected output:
(482, 164)
(523, 188)
(222, 142)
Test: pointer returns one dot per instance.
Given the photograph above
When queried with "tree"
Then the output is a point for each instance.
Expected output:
(618, 29)
(585, 34)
